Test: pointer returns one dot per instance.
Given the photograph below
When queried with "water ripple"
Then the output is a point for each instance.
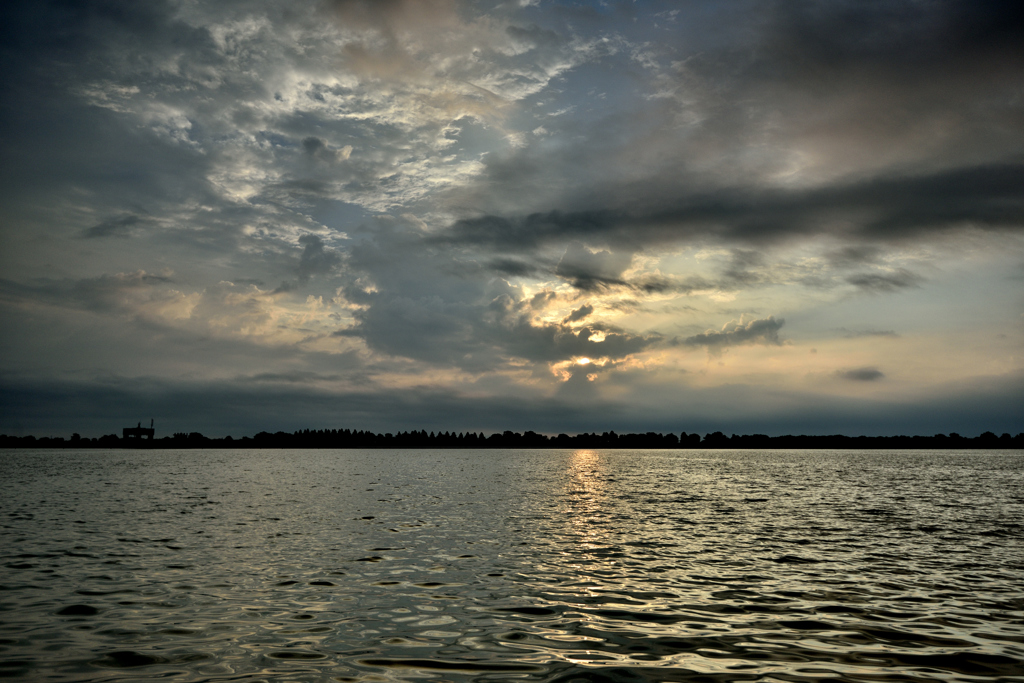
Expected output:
(526, 565)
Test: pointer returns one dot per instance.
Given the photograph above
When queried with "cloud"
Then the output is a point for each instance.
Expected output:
(158, 303)
(118, 292)
(316, 258)
(512, 267)
(901, 41)
(744, 269)
(285, 287)
(589, 270)
(424, 328)
(295, 377)
(856, 334)
(243, 408)
(550, 342)
(861, 374)
(728, 143)
(478, 338)
(579, 314)
(763, 331)
(884, 209)
(482, 193)
(318, 149)
(854, 256)
(115, 227)
(885, 283)
(412, 299)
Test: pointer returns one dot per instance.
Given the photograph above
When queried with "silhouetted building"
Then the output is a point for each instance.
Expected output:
(138, 432)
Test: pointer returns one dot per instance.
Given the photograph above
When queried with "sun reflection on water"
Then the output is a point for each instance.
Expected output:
(585, 495)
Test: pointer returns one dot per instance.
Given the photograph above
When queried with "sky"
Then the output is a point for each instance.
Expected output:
(559, 216)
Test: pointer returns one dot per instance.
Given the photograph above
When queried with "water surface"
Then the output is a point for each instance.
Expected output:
(235, 565)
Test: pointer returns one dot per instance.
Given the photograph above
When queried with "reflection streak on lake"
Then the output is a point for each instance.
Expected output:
(525, 565)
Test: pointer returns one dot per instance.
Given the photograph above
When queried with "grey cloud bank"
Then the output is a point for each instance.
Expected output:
(573, 214)
(208, 408)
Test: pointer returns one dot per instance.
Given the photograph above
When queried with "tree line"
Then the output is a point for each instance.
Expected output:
(346, 438)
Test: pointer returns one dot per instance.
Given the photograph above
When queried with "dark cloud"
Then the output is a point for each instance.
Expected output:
(285, 287)
(319, 149)
(540, 342)
(295, 377)
(905, 39)
(983, 197)
(115, 227)
(579, 314)
(884, 283)
(854, 256)
(745, 268)
(217, 408)
(855, 334)
(424, 328)
(103, 293)
(861, 374)
(658, 284)
(529, 232)
(541, 299)
(60, 29)
(314, 145)
(736, 333)
(512, 267)
(988, 197)
(316, 258)
(588, 271)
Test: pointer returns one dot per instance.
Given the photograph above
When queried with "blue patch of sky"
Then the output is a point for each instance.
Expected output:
(337, 215)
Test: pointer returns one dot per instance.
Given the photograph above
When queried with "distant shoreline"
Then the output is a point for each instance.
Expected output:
(345, 438)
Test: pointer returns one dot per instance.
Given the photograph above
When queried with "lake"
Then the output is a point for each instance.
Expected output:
(348, 565)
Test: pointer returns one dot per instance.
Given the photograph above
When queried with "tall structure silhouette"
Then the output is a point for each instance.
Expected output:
(138, 432)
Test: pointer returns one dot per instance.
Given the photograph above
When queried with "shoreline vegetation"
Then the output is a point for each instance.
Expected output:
(346, 438)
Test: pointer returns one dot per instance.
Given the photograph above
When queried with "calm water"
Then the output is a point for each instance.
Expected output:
(511, 565)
